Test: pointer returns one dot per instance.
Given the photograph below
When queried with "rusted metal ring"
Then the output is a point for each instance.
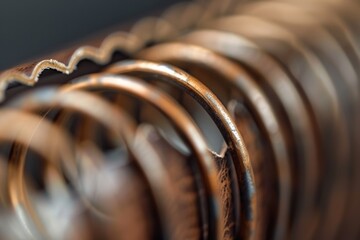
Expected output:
(219, 114)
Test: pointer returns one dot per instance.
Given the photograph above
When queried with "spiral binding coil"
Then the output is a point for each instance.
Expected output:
(219, 120)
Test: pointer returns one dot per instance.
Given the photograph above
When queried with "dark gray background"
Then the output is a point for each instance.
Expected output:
(31, 28)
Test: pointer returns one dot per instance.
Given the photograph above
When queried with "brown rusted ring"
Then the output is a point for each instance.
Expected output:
(219, 114)
(237, 77)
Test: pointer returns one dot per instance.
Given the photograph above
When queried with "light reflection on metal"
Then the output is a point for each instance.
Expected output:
(223, 120)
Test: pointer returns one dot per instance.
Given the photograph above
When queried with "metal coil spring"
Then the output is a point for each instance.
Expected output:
(238, 122)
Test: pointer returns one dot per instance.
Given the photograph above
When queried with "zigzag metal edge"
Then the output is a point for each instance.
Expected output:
(116, 41)
(128, 42)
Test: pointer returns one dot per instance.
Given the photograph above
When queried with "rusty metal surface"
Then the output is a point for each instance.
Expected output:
(214, 120)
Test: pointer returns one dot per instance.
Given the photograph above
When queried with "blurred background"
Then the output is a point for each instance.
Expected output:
(30, 29)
